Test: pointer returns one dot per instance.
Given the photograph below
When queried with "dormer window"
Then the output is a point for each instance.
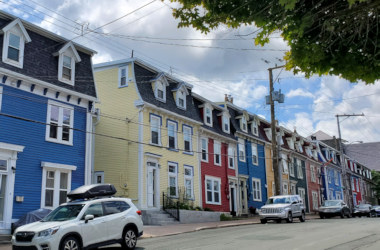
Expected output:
(68, 56)
(254, 127)
(299, 147)
(226, 122)
(159, 85)
(207, 114)
(15, 37)
(290, 142)
(244, 123)
(180, 94)
(268, 133)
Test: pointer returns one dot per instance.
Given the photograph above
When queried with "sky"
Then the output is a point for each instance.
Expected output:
(224, 61)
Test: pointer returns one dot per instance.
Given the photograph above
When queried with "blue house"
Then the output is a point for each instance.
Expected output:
(47, 93)
(251, 158)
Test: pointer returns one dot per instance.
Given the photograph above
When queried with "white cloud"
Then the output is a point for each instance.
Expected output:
(299, 93)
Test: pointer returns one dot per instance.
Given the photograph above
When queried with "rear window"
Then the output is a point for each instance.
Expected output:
(114, 207)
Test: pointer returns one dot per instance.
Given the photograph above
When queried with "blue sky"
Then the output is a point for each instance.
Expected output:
(224, 61)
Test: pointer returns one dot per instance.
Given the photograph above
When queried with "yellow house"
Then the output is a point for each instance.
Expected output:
(146, 136)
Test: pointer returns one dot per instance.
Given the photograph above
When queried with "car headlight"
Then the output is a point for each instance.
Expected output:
(48, 232)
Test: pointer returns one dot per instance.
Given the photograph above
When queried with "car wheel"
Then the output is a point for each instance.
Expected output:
(321, 216)
(290, 218)
(263, 221)
(373, 214)
(342, 214)
(129, 239)
(303, 218)
(348, 214)
(70, 243)
(278, 221)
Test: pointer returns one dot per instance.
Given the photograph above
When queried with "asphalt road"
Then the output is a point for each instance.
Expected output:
(334, 234)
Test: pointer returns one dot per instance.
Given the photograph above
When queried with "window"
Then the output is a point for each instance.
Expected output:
(302, 194)
(255, 158)
(15, 37)
(312, 174)
(160, 91)
(60, 120)
(231, 156)
(114, 207)
(187, 138)
(291, 167)
(208, 115)
(336, 178)
(155, 124)
(292, 188)
(99, 177)
(181, 99)
(212, 190)
(226, 123)
(217, 153)
(299, 147)
(338, 196)
(331, 194)
(329, 177)
(173, 184)
(241, 150)
(315, 200)
(204, 149)
(284, 160)
(300, 166)
(254, 128)
(68, 56)
(67, 67)
(94, 209)
(1, 96)
(56, 183)
(123, 75)
(256, 189)
(285, 188)
(172, 135)
(189, 186)
(244, 123)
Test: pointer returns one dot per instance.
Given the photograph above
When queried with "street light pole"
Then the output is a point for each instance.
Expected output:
(346, 180)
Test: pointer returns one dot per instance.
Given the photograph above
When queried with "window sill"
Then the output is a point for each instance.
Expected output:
(69, 143)
(205, 161)
(219, 165)
(257, 200)
(155, 145)
(120, 87)
(161, 100)
(213, 203)
(231, 167)
(183, 108)
(66, 81)
(13, 63)
(188, 153)
(173, 149)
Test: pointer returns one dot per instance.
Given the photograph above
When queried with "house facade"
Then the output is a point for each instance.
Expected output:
(154, 128)
(218, 158)
(47, 95)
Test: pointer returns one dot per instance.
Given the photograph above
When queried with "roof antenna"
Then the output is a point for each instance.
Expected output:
(132, 54)
(171, 70)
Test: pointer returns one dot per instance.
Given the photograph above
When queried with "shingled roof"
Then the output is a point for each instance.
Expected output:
(367, 154)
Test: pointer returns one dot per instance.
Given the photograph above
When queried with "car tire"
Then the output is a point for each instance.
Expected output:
(321, 216)
(290, 218)
(373, 214)
(303, 217)
(70, 243)
(129, 240)
(263, 221)
(278, 221)
(342, 214)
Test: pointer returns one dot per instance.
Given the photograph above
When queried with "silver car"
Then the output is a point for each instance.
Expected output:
(282, 207)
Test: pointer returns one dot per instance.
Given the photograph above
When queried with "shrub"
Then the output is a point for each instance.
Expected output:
(224, 217)
(208, 209)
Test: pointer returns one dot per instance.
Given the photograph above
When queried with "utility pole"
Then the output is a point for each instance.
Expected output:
(346, 180)
(275, 157)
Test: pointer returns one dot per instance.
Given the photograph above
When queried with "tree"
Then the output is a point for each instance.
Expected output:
(376, 180)
(339, 37)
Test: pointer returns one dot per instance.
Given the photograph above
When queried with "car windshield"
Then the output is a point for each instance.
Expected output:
(331, 203)
(364, 206)
(63, 213)
(280, 200)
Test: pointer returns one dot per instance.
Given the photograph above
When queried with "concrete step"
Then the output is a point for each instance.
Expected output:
(164, 223)
(5, 239)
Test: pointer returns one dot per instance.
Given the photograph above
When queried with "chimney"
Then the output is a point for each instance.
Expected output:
(228, 98)
(225, 98)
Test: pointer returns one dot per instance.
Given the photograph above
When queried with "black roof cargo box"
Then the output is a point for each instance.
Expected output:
(92, 191)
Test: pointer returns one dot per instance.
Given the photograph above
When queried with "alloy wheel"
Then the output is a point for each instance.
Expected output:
(71, 245)
(130, 239)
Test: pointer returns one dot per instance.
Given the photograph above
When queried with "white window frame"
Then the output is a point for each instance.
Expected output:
(315, 199)
(254, 127)
(243, 121)
(173, 175)
(293, 188)
(291, 167)
(313, 174)
(121, 76)
(187, 131)
(285, 188)
(242, 154)
(181, 94)
(273, 189)
(255, 153)
(231, 156)
(207, 107)
(338, 195)
(57, 169)
(285, 167)
(226, 121)
(213, 180)
(336, 178)
(158, 118)
(98, 174)
(169, 122)
(189, 178)
(61, 108)
(204, 149)
(299, 169)
(1, 96)
(331, 194)
(69, 51)
(329, 179)
(160, 85)
(256, 189)
(303, 197)
(217, 151)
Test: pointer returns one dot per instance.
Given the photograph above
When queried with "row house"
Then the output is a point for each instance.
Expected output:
(47, 95)
(251, 157)
(154, 127)
(218, 161)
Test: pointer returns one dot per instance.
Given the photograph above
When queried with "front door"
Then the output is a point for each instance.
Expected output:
(233, 200)
(3, 188)
(151, 184)
(243, 197)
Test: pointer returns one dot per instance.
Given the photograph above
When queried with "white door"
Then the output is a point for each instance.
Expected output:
(94, 231)
(243, 197)
(3, 187)
(151, 178)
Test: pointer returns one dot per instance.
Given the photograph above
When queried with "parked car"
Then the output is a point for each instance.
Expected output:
(79, 224)
(364, 210)
(282, 207)
(332, 208)
(377, 210)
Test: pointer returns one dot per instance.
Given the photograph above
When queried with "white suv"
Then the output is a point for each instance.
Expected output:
(283, 207)
(83, 224)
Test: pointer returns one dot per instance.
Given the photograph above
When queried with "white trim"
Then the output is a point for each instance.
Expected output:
(190, 134)
(258, 191)
(231, 155)
(241, 145)
(159, 118)
(70, 81)
(70, 45)
(216, 144)
(11, 147)
(140, 157)
(213, 179)
(89, 154)
(173, 175)
(127, 78)
(59, 139)
(98, 174)
(206, 139)
(226, 115)
(254, 146)
(209, 107)
(66, 167)
(1, 96)
(175, 133)
(189, 177)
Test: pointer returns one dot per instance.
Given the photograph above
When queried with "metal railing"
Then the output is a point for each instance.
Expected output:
(170, 205)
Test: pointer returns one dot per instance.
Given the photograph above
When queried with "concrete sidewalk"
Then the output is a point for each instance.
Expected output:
(158, 231)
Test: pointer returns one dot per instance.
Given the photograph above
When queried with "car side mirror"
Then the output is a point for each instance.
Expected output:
(88, 217)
